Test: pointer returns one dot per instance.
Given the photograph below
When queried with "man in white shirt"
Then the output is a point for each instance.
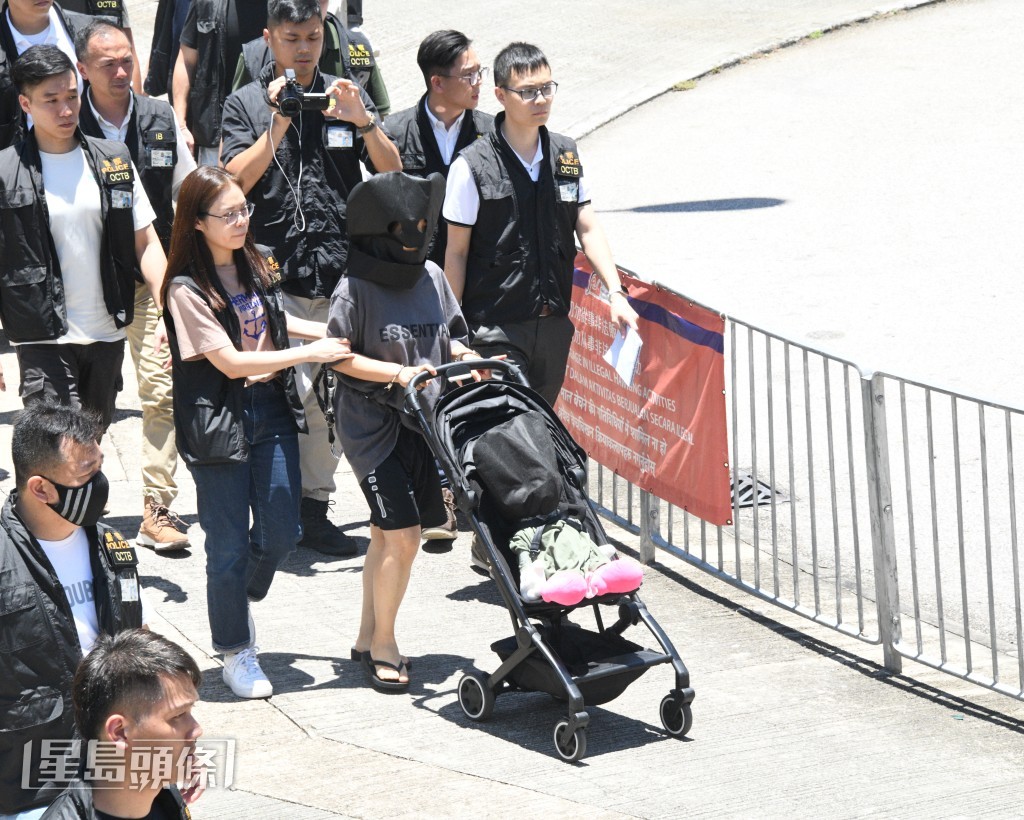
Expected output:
(67, 578)
(158, 150)
(83, 227)
(23, 24)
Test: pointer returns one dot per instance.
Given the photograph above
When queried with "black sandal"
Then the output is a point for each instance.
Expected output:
(380, 684)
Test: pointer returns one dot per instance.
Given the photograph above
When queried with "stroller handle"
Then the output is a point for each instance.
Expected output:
(449, 371)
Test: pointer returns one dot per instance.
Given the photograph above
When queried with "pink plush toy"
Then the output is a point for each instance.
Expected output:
(570, 586)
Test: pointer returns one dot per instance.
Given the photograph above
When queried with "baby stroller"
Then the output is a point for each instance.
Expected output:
(547, 653)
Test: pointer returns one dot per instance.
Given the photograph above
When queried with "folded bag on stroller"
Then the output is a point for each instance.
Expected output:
(516, 465)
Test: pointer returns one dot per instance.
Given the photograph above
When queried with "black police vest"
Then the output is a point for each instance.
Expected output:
(152, 143)
(111, 9)
(522, 247)
(206, 94)
(39, 659)
(413, 133)
(356, 54)
(32, 304)
(207, 403)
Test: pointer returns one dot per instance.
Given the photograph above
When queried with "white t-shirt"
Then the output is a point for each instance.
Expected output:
(462, 199)
(70, 560)
(76, 225)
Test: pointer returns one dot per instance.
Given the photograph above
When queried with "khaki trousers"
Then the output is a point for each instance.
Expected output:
(316, 461)
(159, 453)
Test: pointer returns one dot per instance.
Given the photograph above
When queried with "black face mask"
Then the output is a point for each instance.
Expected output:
(82, 506)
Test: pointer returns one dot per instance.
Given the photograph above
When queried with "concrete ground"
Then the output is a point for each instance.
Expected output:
(790, 719)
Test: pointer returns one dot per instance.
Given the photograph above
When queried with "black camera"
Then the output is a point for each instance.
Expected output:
(292, 99)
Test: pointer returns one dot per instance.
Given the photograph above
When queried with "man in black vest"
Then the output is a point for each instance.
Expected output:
(116, 12)
(66, 580)
(513, 204)
(298, 171)
(211, 42)
(445, 119)
(111, 110)
(345, 54)
(75, 229)
(133, 695)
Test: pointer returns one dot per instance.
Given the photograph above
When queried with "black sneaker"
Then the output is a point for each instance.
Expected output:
(320, 534)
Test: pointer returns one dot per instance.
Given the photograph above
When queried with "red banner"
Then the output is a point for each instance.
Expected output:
(665, 432)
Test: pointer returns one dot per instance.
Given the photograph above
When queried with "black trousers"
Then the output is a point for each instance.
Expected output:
(80, 375)
(540, 348)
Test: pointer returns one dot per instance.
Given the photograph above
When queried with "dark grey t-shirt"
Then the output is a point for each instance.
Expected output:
(408, 327)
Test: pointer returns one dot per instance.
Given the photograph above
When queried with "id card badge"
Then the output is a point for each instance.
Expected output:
(568, 191)
(129, 589)
(161, 157)
(120, 199)
(340, 136)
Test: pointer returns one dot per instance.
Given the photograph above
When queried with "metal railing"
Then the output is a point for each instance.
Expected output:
(855, 492)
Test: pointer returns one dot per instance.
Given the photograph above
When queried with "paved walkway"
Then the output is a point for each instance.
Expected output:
(790, 719)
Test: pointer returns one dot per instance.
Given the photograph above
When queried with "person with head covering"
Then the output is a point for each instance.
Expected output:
(400, 317)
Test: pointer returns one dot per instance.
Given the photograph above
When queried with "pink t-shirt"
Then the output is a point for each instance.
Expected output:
(198, 330)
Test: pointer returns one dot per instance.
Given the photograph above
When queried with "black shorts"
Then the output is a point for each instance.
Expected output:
(404, 490)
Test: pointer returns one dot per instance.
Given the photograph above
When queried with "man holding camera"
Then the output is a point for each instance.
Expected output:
(295, 143)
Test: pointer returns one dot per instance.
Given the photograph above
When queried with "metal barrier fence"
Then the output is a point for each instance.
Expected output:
(854, 493)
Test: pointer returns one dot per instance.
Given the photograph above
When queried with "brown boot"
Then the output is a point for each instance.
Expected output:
(450, 528)
(161, 529)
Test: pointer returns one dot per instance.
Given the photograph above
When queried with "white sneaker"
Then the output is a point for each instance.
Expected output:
(243, 675)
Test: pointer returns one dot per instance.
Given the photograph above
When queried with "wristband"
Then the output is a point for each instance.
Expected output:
(394, 378)
(620, 292)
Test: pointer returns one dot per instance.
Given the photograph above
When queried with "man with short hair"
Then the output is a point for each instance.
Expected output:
(66, 579)
(111, 110)
(82, 231)
(344, 54)
(116, 13)
(514, 204)
(133, 696)
(23, 24)
(298, 171)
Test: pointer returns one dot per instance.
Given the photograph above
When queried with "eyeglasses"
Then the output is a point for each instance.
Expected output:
(473, 77)
(232, 218)
(530, 94)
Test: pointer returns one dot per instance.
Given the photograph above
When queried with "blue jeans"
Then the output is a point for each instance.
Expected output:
(241, 560)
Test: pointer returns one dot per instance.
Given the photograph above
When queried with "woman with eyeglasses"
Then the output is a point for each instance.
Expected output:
(237, 412)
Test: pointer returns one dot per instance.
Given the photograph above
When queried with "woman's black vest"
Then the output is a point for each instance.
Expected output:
(208, 404)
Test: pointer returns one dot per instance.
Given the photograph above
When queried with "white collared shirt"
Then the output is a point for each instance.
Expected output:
(184, 163)
(53, 35)
(462, 199)
(446, 137)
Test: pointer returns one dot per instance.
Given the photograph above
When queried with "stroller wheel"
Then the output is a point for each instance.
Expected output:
(570, 747)
(676, 716)
(475, 696)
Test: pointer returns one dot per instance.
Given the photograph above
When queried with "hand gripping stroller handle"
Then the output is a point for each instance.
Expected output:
(452, 371)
